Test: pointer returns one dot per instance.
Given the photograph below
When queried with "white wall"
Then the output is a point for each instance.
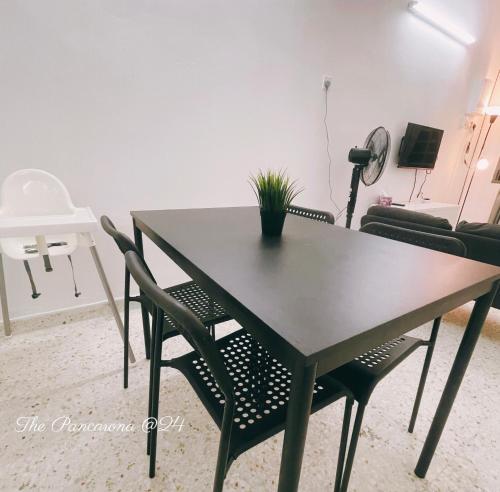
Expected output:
(171, 104)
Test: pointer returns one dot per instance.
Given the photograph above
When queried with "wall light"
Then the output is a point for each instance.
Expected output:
(492, 110)
(482, 164)
(439, 21)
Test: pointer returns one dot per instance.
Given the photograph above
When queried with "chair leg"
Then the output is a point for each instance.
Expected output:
(352, 446)
(230, 461)
(109, 295)
(144, 311)
(150, 400)
(3, 301)
(225, 439)
(147, 331)
(156, 394)
(126, 323)
(425, 370)
(343, 442)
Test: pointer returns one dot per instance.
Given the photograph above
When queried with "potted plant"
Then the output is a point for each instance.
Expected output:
(274, 192)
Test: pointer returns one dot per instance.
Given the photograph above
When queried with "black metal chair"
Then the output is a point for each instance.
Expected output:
(311, 213)
(190, 294)
(363, 374)
(243, 387)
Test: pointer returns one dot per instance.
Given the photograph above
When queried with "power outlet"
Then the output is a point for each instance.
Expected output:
(327, 82)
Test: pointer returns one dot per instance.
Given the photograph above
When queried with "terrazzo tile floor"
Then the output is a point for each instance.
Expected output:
(69, 367)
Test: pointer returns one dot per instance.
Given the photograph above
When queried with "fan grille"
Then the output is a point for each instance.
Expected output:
(379, 142)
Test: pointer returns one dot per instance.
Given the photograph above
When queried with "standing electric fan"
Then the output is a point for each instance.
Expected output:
(369, 163)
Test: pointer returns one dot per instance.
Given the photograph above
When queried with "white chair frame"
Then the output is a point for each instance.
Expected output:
(79, 221)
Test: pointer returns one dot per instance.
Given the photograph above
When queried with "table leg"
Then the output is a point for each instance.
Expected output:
(109, 295)
(3, 299)
(457, 373)
(297, 419)
(144, 310)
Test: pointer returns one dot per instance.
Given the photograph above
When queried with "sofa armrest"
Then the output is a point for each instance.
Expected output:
(411, 216)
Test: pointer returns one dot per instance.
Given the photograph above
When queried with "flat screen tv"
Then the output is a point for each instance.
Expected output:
(420, 147)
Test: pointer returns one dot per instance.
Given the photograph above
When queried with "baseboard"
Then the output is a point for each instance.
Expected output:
(68, 311)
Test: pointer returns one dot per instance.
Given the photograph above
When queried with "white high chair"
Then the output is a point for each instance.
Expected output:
(38, 218)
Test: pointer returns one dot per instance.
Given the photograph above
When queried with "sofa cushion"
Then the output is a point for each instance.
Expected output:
(487, 230)
(409, 216)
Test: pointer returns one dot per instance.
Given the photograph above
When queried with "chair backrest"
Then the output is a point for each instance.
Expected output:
(123, 242)
(445, 244)
(34, 192)
(187, 323)
(311, 213)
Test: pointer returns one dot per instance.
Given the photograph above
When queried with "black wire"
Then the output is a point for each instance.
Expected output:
(471, 157)
(337, 217)
(469, 143)
(414, 184)
(475, 146)
(485, 138)
(330, 173)
(423, 182)
(475, 167)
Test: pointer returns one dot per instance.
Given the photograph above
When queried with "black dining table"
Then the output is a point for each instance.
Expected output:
(320, 295)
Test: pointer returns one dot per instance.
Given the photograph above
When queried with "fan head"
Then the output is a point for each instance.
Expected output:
(379, 143)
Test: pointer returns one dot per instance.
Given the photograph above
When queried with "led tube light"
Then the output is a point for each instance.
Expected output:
(440, 22)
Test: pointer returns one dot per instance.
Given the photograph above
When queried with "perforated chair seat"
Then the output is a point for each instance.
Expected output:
(362, 374)
(262, 388)
(196, 300)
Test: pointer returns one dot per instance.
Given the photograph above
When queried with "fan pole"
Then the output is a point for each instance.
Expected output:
(353, 194)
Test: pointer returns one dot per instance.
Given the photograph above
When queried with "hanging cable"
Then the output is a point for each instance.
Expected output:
(337, 217)
(35, 294)
(330, 170)
(469, 165)
(427, 172)
(475, 169)
(497, 78)
(414, 184)
(77, 293)
(472, 130)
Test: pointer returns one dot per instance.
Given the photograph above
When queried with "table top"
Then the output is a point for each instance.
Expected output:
(323, 292)
(82, 220)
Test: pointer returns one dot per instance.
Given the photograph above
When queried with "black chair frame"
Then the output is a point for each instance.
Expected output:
(363, 374)
(236, 379)
(207, 310)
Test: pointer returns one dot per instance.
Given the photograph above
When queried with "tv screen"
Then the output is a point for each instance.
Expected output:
(420, 146)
